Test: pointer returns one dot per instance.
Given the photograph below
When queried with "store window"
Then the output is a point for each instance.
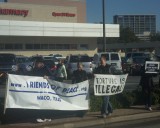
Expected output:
(73, 46)
(9, 46)
(59, 46)
(83, 46)
(51, 46)
(2, 46)
(66, 46)
(44, 46)
(29, 46)
(18, 46)
(37, 46)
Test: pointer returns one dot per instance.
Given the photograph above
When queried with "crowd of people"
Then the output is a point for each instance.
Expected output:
(80, 75)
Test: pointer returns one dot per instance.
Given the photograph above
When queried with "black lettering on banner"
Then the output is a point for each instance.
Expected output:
(43, 98)
(99, 89)
(108, 88)
(16, 85)
(70, 90)
(103, 89)
(115, 89)
(96, 88)
(122, 80)
(54, 87)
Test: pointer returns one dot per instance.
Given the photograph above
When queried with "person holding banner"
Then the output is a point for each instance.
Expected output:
(41, 70)
(104, 68)
(79, 75)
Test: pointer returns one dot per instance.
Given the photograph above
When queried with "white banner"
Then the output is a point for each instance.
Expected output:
(109, 84)
(28, 92)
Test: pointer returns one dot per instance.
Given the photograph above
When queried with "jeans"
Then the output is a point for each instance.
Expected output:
(106, 105)
(147, 98)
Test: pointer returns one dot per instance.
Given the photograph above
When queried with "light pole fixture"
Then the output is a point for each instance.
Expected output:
(104, 27)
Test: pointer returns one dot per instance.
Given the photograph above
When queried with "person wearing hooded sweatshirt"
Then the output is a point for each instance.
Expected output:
(60, 73)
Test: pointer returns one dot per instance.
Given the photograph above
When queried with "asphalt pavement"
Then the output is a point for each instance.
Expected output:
(133, 117)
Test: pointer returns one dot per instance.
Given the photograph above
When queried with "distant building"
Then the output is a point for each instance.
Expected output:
(141, 25)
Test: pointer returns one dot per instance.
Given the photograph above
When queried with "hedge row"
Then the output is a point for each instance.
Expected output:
(125, 99)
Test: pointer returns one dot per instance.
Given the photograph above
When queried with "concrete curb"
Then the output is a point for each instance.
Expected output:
(103, 122)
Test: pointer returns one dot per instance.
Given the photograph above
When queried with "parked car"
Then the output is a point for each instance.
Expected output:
(24, 63)
(72, 60)
(112, 58)
(134, 67)
(130, 55)
(7, 64)
(52, 58)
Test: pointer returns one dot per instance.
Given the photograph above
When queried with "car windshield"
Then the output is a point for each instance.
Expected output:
(85, 59)
(114, 57)
(139, 60)
(137, 54)
(7, 58)
(80, 59)
(74, 59)
(22, 60)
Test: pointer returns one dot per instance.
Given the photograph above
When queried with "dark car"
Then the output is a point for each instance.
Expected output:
(23, 63)
(7, 63)
(134, 67)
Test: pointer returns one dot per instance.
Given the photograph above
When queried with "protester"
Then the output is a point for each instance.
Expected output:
(41, 70)
(146, 82)
(60, 73)
(104, 68)
(79, 75)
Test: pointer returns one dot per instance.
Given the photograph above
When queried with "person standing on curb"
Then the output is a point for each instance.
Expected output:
(60, 73)
(79, 75)
(104, 68)
(41, 70)
(146, 81)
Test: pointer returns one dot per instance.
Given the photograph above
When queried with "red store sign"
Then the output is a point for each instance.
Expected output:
(16, 12)
(56, 14)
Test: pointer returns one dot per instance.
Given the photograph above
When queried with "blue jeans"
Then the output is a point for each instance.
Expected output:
(106, 105)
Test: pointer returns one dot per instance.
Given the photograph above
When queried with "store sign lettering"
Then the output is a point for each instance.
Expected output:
(16, 12)
(56, 14)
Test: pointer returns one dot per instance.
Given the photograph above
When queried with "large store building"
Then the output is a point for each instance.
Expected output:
(29, 27)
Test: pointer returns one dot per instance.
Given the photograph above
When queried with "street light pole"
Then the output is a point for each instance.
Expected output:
(104, 27)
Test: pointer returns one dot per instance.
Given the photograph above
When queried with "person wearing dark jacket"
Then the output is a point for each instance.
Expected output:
(40, 69)
(146, 81)
(104, 68)
(79, 75)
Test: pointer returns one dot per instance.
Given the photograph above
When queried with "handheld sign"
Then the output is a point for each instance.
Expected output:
(151, 67)
(109, 84)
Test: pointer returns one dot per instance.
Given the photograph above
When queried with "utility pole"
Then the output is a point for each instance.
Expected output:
(104, 27)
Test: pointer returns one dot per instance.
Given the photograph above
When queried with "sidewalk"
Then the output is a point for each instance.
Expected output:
(92, 119)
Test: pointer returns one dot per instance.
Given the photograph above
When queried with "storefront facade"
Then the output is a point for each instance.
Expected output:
(49, 27)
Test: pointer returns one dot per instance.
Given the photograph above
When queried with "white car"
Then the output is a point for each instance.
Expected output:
(112, 58)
